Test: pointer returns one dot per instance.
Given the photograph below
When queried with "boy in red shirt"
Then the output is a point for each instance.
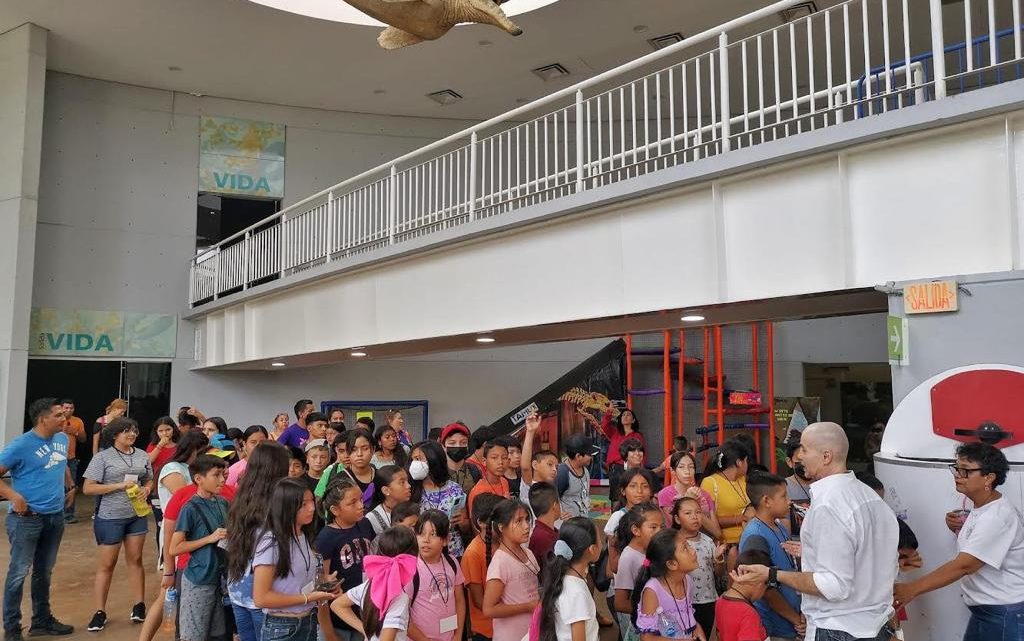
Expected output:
(544, 503)
(735, 616)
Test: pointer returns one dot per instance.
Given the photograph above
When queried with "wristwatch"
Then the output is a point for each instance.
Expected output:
(773, 577)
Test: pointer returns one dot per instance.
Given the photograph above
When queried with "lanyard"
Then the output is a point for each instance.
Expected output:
(446, 592)
(688, 623)
(516, 556)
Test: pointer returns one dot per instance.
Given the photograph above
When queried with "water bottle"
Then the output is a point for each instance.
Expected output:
(170, 611)
(667, 626)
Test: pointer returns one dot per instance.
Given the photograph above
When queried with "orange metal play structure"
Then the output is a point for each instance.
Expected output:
(715, 396)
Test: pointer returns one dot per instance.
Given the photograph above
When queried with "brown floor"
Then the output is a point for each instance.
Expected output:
(71, 590)
(71, 593)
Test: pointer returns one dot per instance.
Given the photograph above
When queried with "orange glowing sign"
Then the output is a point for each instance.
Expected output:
(931, 298)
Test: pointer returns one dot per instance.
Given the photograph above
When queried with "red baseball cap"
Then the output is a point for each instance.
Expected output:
(452, 428)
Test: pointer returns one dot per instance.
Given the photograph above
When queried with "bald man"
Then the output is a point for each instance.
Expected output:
(849, 540)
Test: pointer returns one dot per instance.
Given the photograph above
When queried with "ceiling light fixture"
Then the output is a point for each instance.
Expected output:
(798, 12)
(666, 40)
(550, 72)
(445, 97)
(358, 354)
(485, 339)
(692, 317)
(277, 364)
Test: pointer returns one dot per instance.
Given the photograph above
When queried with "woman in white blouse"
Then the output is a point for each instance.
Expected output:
(990, 541)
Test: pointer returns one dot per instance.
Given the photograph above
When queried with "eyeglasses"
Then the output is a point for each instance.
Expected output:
(962, 472)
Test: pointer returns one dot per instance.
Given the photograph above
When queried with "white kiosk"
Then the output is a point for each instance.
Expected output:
(966, 404)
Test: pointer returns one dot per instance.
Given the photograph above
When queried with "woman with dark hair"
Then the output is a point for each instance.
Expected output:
(251, 437)
(160, 450)
(726, 481)
(216, 429)
(389, 450)
(990, 541)
(268, 464)
(567, 609)
(111, 475)
(433, 489)
(617, 429)
(284, 567)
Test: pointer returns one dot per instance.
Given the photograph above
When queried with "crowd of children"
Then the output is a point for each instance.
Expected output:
(318, 531)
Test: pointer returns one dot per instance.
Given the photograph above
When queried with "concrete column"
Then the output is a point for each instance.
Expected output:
(22, 85)
(986, 329)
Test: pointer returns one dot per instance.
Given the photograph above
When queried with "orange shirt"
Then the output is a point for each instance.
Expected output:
(474, 569)
(74, 428)
(483, 487)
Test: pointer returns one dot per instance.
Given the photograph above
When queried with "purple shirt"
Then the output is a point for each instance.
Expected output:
(303, 567)
(294, 436)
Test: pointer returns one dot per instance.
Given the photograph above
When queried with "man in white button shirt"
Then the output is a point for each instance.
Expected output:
(849, 541)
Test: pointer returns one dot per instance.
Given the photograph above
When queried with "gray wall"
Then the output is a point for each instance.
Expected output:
(986, 329)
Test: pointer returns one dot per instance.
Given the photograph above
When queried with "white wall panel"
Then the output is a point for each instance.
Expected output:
(783, 232)
(932, 206)
(669, 252)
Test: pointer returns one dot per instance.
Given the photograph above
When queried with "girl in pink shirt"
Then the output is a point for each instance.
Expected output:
(512, 590)
(438, 600)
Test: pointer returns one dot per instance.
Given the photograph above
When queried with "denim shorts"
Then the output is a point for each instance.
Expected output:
(114, 531)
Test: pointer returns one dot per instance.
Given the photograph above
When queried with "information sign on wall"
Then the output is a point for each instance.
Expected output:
(102, 334)
(931, 298)
(241, 157)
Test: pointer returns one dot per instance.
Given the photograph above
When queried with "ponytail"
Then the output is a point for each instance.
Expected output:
(574, 538)
(660, 551)
(634, 517)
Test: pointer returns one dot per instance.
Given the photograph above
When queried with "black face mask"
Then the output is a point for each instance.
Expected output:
(801, 471)
(457, 454)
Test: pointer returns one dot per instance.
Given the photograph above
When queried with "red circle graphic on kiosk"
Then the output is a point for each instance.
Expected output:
(964, 402)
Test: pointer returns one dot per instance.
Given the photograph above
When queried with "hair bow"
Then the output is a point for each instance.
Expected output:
(563, 550)
(646, 563)
(388, 577)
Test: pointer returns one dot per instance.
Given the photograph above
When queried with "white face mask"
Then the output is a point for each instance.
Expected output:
(418, 470)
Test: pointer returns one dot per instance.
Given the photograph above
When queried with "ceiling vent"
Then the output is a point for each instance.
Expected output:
(798, 12)
(666, 40)
(548, 73)
(445, 97)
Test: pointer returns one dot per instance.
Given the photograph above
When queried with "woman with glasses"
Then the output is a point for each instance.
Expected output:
(111, 474)
(990, 541)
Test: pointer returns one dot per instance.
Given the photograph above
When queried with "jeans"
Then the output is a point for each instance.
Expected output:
(837, 635)
(249, 622)
(34, 543)
(995, 623)
(277, 628)
(69, 511)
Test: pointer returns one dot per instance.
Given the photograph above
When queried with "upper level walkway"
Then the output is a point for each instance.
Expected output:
(654, 185)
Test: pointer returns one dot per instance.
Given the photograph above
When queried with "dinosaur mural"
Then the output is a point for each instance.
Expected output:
(413, 21)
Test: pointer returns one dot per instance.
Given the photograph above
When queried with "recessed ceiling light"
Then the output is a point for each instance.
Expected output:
(173, 68)
(358, 354)
(798, 12)
(445, 97)
(485, 339)
(550, 72)
(692, 317)
(277, 364)
(666, 40)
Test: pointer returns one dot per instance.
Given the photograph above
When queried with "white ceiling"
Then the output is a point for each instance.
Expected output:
(243, 50)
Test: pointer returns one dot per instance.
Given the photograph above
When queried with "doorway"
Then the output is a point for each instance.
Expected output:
(93, 384)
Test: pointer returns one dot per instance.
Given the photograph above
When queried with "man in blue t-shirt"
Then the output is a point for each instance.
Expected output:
(41, 486)
(779, 608)
(296, 434)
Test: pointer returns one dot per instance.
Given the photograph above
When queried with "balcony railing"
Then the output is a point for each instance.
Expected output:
(731, 90)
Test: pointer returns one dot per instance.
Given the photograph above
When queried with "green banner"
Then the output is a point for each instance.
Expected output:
(102, 334)
(241, 157)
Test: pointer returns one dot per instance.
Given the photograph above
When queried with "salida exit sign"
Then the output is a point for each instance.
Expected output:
(930, 298)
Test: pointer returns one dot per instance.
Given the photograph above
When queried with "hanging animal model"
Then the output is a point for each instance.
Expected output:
(413, 21)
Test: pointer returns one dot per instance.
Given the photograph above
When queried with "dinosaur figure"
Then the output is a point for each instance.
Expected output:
(587, 402)
(413, 21)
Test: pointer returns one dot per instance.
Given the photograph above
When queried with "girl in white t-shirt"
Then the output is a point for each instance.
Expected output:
(382, 599)
(567, 609)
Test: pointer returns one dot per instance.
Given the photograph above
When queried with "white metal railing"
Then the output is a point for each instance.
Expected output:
(737, 88)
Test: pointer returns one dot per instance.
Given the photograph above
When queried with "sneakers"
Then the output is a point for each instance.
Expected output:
(13, 635)
(53, 627)
(138, 612)
(98, 622)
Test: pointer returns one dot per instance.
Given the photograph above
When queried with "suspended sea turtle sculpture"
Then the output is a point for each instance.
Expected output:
(413, 21)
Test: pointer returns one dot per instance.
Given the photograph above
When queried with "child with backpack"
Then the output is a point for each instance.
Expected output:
(392, 488)
(199, 532)
(438, 599)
